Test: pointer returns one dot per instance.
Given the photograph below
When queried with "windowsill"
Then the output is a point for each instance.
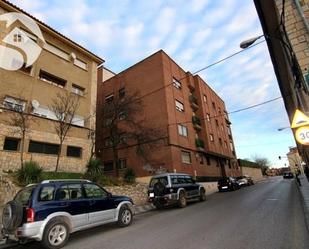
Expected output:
(43, 154)
(52, 83)
(86, 70)
(187, 163)
(180, 111)
(11, 151)
(74, 157)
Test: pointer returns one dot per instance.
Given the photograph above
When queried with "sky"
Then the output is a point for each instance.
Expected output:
(195, 34)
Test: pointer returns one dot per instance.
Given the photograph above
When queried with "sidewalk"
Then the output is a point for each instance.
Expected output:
(304, 192)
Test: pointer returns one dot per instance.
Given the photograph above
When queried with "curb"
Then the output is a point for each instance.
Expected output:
(304, 192)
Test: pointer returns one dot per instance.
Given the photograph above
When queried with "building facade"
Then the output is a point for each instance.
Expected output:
(287, 35)
(195, 134)
(295, 160)
(63, 67)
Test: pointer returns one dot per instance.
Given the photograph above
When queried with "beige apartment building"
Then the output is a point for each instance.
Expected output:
(62, 67)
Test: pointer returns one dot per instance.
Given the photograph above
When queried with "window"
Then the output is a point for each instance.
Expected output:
(25, 69)
(211, 136)
(217, 122)
(228, 130)
(80, 63)
(108, 142)
(122, 92)
(176, 84)
(73, 151)
(122, 115)
(17, 38)
(78, 90)
(93, 191)
(108, 166)
(231, 146)
(220, 141)
(109, 98)
(14, 104)
(70, 192)
(174, 180)
(188, 179)
(47, 193)
(122, 163)
(222, 127)
(204, 98)
(214, 105)
(162, 179)
(208, 117)
(186, 157)
(78, 120)
(208, 160)
(108, 122)
(56, 51)
(225, 144)
(179, 106)
(44, 148)
(52, 79)
(44, 112)
(182, 130)
(11, 144)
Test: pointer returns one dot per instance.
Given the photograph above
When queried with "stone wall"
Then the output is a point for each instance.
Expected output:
(255, 173)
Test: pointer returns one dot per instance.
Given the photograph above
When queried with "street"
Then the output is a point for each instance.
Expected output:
(268, 215)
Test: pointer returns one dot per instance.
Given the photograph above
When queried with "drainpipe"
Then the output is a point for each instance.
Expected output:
(301, 13)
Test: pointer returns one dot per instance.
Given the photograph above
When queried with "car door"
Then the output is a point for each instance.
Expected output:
(192, 187)
(71, 200)
(102, 208)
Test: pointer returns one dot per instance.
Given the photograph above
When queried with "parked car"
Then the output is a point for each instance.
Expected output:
(242, 181)
(250, 180)
(227, 184)
(172, 188)
(53, 209)
(288, 175)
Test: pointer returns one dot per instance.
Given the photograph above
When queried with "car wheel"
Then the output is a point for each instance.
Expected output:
(202, 195)
(12, 215)
(56, 234)
(182, 201)
(125, 216)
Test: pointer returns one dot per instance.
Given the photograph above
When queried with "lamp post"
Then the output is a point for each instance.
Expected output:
(283, 128)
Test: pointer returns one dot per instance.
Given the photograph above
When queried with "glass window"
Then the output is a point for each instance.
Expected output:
(78, 90)
(109, 98)
(122, 92)
(52, 79)
(179, 106)
(211, 136)
(122, 164)
(208, 117)
(217, 122)
(181, 180)
(188, 179)
(214, 105)
(182, 130)
(158, 179)
(73, 151)
(205, 98)
(75, 191)
(108, 166)
(93, 191)
(11, 144)
(24, 195)
(176, 84)
(47, 193)
(14, 104)
(45, 148)
(174, 180)
(186, 157)
(208, 160)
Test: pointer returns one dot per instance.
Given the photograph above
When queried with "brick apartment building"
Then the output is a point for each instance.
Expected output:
(196, 137)
(62, 67)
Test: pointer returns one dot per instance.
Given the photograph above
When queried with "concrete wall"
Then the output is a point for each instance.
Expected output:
(255, 173)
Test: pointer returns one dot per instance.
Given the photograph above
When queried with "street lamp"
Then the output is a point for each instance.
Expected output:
(249, 42)
(283, 128)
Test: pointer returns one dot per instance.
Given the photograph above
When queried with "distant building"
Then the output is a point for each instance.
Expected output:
(295, 160)
(196, 129)
(62, 67)
(287, 35)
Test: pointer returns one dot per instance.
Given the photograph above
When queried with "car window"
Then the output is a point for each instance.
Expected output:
(24, 196)
(188, 179)
(70, 192)
(174, 179)
(47, 193)
(158, 179)
(94, 191)
(181, 180)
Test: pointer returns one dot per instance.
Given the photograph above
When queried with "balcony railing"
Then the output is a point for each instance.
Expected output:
(196, 121)
(193, 101)
(199, 143)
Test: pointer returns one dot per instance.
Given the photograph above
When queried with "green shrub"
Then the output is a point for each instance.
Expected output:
(129, 176)
(30, 173)
(94, 170)
(46, 175)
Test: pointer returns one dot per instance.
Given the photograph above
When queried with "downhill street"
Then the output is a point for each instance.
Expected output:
(268, 215)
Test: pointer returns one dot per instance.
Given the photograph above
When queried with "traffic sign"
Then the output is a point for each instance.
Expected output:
(302, 135)
(299, 119)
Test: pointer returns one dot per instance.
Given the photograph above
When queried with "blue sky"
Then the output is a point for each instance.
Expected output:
(195, 34)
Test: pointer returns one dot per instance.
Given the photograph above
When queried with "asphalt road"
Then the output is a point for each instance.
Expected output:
(268, 215)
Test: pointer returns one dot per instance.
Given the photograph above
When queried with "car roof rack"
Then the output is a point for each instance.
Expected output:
(65, 180)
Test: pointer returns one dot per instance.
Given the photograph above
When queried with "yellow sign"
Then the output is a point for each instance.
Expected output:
(302, 135)
(299, 119)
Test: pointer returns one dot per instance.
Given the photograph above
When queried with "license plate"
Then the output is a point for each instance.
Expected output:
(151, 194)
(224, 187)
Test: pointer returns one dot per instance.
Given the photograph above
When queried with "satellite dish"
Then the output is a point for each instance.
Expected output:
(35, 104)
(73, 56)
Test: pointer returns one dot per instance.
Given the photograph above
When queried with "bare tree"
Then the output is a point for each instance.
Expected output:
(20, 119)
(122, 126)
(64, 107)
(263, 162)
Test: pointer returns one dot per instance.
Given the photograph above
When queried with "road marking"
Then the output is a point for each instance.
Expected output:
(271, 199)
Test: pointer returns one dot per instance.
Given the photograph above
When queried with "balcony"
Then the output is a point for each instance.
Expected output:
(196, 121)
(199, 144)
(193, 102)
